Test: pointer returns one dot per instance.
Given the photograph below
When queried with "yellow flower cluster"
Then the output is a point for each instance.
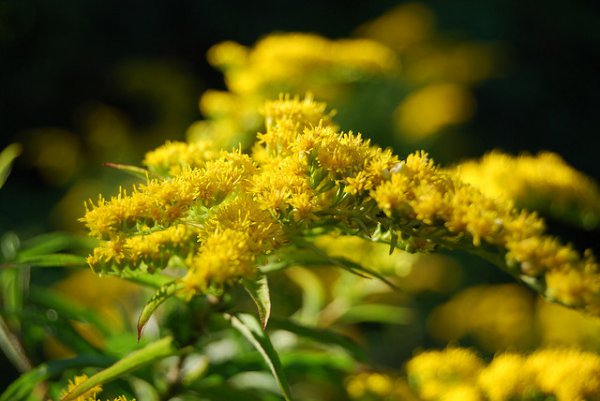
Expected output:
(459, 374)
(304, 177)
(299, 60)
(498, 317)
(437, 207)
(90, 395)
(290, 62)
(444, 375)
(378, 386)
(173, 157)
(438, 71)
(542, 182)
(508, 317)
(174, 217)
(235, 233)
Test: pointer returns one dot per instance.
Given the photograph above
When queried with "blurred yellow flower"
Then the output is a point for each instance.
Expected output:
(432, 108)
(542, 182)
(498, 317)
(90, 395)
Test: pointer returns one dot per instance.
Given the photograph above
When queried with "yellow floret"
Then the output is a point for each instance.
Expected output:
(544, 181)
(435, 373)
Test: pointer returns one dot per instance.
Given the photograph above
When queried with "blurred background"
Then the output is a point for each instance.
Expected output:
(84, 83)
(88, 82)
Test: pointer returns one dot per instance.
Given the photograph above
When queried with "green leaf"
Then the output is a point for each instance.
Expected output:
(12, 348)
(54, 242)
(135, 171)
(313, 293)
(318, 257)
(165, 292)
(68, 309)
(251, 329)
(154, 280)
(52, 260)
(7, 156)
(359, 270)
(22, 388)
(137, 359)
(309, 361)
(14, 284)
(380, 313)
(323, 336)
(259, 292)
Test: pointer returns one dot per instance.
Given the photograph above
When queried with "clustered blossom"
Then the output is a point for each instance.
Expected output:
(542, 182)
(299, 59)
(220, 217)
(91, 394)
(459, 374)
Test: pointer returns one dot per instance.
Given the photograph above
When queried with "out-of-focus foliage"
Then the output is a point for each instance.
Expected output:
(7, 156)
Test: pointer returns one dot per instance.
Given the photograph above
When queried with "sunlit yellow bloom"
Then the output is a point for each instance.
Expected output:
(110, 254)
(157, 247)
(428, 110)
(566, 374)
(301, 58)
(225, 256)
(462, 393)
(89, 395)
(405, 25)
(419, 191)
(244, 214)
(378, 386)
(569, 374)
(497, 317)
(545, 182)
(561, 326)
(227, 55)
(172, 157)
(506, 378)
(305, 112)
(306, 176)
(435, 373)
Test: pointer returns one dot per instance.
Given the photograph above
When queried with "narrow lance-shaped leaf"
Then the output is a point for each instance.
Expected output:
(22, 388)
(250, 328)
(323, 336)
(320, 257)
(151, 353)
(12, 348)
(68, 308)
(52, 260)
(259, 292)
(164, 293)
(46, 244)
(135, 171)
(7, 156)
(381, 313)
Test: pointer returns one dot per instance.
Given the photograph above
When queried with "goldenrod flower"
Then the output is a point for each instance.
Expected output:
(436, 373)
(306, 176)
(298, 59)
(542, 182)
(173, 157)
(498, 317)
(432, 108)
(91, 394)
(565, 374)
(568, 374)
(378, 386)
